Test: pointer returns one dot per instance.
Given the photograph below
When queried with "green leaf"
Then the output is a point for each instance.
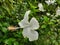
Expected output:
(51, 22)
(46, 19)
(1, 16)
(43, 26)
(9, 41)
(7, 9)
(4, 30)
(56, 43)
(16, 43)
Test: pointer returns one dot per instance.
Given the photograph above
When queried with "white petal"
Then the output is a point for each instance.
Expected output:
(33, 35)
(26, 32)
(48, 2)
(53, 1)
(24, 22)
(26, 15)
(34, 24)
(41, 7)
(58, 11)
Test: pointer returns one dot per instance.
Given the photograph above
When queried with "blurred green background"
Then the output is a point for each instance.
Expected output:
(12, 11)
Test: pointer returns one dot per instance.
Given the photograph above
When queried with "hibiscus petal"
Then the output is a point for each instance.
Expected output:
(58, 11)
(48, 2)
(34, 24)
(33, 35)
(53, 1)
(24, 22)
(41, 7)
(26, 32)
(26, 18)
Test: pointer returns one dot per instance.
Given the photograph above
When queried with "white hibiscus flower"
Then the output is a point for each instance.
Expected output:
(41, 7)
(50, 2)
(29, 27)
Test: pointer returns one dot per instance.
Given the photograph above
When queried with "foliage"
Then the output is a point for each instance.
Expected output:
(12, 11)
